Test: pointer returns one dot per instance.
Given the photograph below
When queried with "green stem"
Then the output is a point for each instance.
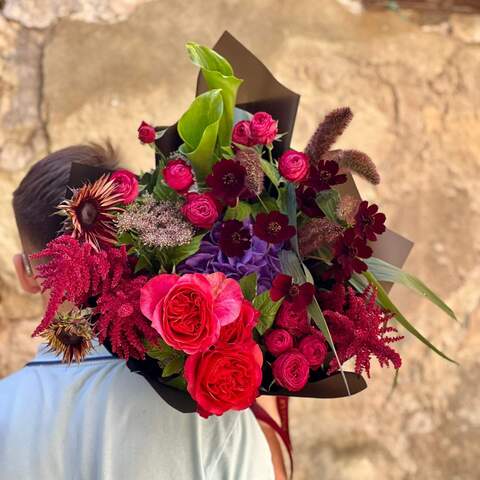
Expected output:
(263, 204)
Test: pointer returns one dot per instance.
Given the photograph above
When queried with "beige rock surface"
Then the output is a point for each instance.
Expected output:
(91, 69)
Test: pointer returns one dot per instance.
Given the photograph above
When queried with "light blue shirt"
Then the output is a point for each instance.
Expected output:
(97, 420)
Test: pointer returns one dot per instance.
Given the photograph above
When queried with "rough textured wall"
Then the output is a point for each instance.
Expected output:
(72, 71)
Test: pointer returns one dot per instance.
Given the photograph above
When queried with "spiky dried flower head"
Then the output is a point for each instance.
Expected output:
(158, 223)
(332, 126)
(91, 211)
(317, 233)
(250, 160)
(70, 335)
(356, 162)
(347, 208)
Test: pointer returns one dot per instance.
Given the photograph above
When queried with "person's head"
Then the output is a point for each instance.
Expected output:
(39, 193)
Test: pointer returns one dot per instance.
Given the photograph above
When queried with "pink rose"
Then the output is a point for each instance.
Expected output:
(226, 377)
(294, 166)
(241, 133)
(291, 370)
(188, 311)
(294, 320)
(240, 330)
(201, 210)
(314, 348)
(278, 341)
(127, 185)
(263, 128)
(146, 133)
(178, 175)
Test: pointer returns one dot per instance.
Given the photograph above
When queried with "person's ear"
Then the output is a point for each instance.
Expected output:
(25, 275)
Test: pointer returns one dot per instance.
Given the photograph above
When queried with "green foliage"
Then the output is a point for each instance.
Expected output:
(199, 128)
(218, 74)
(240, 212)
(162, 192)
(148, 180)
(248, 285)
(328, 201)
(175, 365)
(169, 359)
(271, 172)
(172, 256)
(268, 310)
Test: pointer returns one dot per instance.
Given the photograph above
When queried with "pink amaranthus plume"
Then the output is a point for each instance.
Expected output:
(359, 328)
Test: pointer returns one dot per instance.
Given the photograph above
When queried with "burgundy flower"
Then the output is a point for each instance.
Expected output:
(294, 320)
(273, 227)
(300, 296)
(227, 181)
(307, 203)
(241, 133)
(348, 251)
(263, 128)
(291, 370)
(314, 348)
(368, 222)
(146, 133)
(278, 341)
(324, 175)
(235, 238)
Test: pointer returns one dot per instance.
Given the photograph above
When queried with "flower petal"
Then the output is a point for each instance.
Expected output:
(228, 297)
(154, 291)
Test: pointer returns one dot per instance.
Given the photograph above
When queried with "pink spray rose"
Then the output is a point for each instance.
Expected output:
(314, 348)
(178, 175)
(146, 133)
(225, 377)
(263, 128)
(188, 311)
(200, 209)
(291, 370)
(278, 341)
(294, 166)
(241, 133)
(127, 185)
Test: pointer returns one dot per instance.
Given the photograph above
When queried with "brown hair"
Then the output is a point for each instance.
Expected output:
(44, 187)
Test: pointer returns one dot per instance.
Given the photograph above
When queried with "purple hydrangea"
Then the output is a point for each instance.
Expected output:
(261, 258)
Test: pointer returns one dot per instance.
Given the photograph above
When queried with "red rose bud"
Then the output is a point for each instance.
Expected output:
(241, 133)
(226, 377)
(278, 341)
(126, 185)
(240, 331)
(200, 209)
(294, 320)
(291, 370)
(146, 133)
(294, 166)
(178, 175)
(314, 348)
(263, 128)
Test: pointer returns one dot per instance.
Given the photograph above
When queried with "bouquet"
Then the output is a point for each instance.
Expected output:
(238, 266)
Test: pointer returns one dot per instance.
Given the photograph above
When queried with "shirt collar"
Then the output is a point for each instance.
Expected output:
(45, 355)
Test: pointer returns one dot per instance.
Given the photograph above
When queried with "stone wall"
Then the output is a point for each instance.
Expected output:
(78, 70)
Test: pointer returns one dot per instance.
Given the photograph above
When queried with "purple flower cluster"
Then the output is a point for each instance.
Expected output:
(261, 258)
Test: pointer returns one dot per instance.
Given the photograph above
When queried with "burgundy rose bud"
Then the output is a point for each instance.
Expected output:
(263, 128)
(241, 133)
(146, 133)
(294, 166)
(127, 185)
(178, 175)
(278, 341)
(200, 209)
(291, 370)
(314, 348)
(292, 319)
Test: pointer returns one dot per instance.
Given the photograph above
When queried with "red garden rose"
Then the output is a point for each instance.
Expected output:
(291, 370)
(188, 311)
(146, 133)
(292, 319)
(278, 341)
(314, 348)
(241, 133)
(178, 175)
(263, 128)
(225, 377)
(200, 209)
(127, 185)
(240, 331)
(294, 166)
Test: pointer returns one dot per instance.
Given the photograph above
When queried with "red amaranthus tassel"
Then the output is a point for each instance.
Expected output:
(359, 329)
(121, 320)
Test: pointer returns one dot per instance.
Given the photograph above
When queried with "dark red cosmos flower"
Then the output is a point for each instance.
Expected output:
(273, 227)
(300, 296)
(235, 238)
(348, 251)
(227, 181)
(307, 203)
(368, 222)
(325, 174)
